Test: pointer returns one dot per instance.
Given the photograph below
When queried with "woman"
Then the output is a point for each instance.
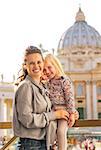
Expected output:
(61, 96)
(32, 107)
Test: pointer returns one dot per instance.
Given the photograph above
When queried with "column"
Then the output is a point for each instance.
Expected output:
(2, 111)
(88, 100)
(2, 116)
(95, 115)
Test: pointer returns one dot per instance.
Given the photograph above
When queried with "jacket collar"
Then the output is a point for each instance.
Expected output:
(40, 86)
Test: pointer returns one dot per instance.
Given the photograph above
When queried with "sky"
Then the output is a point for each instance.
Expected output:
(35, 22)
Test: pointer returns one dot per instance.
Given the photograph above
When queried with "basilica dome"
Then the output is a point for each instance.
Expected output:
(80, 35)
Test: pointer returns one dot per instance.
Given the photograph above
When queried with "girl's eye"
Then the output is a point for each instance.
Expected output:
(44, 70)
(49, 67)
(39, 62)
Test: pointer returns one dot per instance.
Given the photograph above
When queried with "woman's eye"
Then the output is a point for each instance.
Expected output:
(31, 63)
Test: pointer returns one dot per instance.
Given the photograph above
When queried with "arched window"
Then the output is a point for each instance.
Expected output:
(99, 93)
(80, 90)
(99, 90)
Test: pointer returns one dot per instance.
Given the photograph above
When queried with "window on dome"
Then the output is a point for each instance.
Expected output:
(75, 39)
(83, 29)
(92, 37)
(83, 36)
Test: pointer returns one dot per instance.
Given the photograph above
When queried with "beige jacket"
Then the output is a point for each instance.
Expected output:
(32, 113)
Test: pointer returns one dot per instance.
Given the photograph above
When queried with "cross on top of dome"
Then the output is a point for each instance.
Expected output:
(80, 15)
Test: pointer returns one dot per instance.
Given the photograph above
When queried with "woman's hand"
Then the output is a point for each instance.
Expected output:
(62, 114)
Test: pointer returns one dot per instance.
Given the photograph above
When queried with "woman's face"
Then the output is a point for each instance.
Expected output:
(49, 70)
(34, 65)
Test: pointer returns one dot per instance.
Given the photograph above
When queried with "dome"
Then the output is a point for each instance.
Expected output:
(80, 35)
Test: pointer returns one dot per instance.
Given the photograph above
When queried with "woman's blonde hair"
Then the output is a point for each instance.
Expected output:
(56, 63)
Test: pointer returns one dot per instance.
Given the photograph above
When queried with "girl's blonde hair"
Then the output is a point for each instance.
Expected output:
(56, 63)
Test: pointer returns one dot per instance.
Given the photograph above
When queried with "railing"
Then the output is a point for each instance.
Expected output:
(5, 125)
(78, 123)
(9, 143)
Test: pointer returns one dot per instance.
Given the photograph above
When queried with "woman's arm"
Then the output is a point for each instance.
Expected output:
(29, 119)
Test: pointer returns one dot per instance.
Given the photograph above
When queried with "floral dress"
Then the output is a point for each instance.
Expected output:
(61, 93)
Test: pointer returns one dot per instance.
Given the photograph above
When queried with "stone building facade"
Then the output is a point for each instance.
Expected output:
(79, 51)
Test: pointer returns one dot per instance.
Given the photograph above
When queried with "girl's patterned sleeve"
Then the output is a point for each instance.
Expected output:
(69, 95)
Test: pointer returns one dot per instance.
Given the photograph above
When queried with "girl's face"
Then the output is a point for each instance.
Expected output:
(49, 70)
(34, 65)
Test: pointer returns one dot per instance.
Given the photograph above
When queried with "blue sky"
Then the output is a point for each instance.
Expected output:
(31, 22)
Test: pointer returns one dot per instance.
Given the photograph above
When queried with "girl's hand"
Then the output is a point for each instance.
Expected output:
(71, 120)
(76, 115)
(62, 114)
